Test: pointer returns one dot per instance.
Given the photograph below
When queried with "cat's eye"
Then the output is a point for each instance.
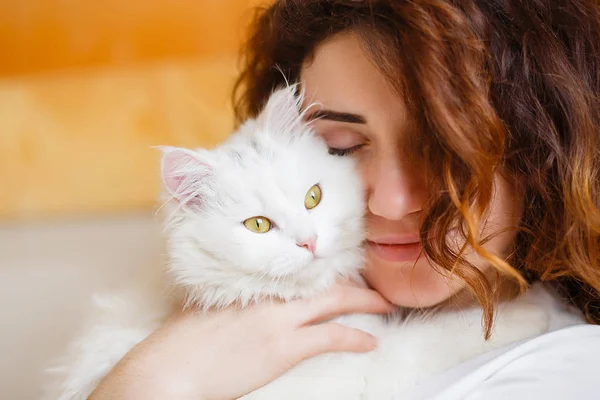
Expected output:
(313, 197)
(258, 224)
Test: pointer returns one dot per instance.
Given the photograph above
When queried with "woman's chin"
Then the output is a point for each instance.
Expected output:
(409, 284)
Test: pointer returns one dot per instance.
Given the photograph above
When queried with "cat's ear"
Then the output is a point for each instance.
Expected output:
(185, 175)
(282, 112)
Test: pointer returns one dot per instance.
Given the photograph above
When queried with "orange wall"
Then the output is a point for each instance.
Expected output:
(37, 35)
(86, 87)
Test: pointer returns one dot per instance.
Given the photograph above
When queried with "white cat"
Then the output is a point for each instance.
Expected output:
(269, 213)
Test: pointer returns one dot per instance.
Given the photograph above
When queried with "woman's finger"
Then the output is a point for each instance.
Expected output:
(330, 337)
(340, 300)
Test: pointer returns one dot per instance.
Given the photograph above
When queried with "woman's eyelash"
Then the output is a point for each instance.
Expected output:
(344, 152)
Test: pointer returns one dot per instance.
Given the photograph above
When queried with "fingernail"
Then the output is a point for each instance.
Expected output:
(372, 342)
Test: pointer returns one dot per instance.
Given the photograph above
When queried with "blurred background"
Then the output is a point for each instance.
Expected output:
(86, 88)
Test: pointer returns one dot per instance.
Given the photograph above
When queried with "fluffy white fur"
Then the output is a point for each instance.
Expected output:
(266, 169)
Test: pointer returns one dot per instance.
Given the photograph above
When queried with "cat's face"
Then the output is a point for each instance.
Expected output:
(270, 204)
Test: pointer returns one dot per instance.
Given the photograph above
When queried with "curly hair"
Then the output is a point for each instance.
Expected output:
(493, 85)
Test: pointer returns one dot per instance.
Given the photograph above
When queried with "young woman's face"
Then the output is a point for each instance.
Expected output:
(362, 117)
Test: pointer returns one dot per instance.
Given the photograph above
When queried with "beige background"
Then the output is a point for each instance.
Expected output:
(86, 88)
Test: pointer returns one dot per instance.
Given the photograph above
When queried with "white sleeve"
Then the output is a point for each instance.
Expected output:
(564, 370)
(564, 364)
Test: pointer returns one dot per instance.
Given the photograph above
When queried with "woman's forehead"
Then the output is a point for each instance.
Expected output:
(342, 69)
(343, 78)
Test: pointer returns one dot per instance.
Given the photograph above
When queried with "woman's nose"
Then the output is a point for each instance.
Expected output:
(395, 189)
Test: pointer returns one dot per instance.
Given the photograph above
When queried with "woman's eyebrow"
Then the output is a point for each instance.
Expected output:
(330, 115)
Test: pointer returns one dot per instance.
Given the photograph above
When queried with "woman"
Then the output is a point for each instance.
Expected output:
(473, 122)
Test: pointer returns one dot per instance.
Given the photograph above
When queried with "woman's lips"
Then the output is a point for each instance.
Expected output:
(396, 252)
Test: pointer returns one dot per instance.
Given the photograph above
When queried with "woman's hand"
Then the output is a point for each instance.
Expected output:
(227, 354)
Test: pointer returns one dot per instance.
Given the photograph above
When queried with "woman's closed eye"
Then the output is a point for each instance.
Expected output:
(344, 152)
(342, 143)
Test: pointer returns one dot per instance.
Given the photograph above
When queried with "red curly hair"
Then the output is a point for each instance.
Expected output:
(493, 85)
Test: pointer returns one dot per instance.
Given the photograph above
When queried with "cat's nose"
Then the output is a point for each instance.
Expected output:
(309, 244)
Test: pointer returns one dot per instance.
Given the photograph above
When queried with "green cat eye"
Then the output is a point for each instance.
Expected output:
(258, 224)
(313, 197)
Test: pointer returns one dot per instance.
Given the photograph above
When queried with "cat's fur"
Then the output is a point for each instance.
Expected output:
(265, 169)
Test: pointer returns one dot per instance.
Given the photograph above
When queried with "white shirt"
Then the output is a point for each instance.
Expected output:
(561, 364)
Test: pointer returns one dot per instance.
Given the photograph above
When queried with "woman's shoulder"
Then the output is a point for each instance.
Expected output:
(559, 364)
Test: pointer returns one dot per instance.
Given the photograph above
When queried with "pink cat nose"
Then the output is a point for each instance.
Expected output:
(309, 244)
